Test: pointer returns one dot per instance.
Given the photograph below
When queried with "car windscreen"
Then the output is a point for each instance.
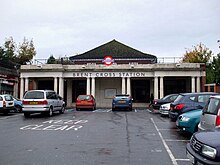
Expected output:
(84, 97)
(8, 98)
(212, 106)
(34, 95)
(178, 98)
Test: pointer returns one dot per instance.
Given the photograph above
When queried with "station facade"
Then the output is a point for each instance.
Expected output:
(110, 69)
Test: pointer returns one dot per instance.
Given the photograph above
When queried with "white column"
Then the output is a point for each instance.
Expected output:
(26, 84)
(88, 86)
(93, 86)
(55, 84)
(198, 84)
(61, 86)
(156, 87)
(123, 86)
(15, 93)
(128, 86)
(161, 88)
(193, 84)
(69, 93)
(21, 88)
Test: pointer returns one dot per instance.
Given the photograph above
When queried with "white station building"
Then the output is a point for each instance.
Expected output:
(110, 69)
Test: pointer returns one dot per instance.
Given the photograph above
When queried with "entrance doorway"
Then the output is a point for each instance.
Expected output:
(79, 88)
(140, 91)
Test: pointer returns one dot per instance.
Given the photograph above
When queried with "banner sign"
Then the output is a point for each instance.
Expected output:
(109, 74)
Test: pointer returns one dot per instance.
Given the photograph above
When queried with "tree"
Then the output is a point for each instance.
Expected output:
(26, 52)
(9, 49)
(198, 54)
(216, 68)
(51, 60)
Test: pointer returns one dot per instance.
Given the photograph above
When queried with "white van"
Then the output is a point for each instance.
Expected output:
(210, 117)
(43, 101)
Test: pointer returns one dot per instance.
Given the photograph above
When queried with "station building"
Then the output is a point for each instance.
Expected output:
(110, 69)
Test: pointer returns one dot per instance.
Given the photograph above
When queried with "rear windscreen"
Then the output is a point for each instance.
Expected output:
(8, 98)
(34, 95)
(212, 106)
(84, 97)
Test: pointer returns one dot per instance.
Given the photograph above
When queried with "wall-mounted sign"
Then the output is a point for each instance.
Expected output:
(110, 74)
(108, 60)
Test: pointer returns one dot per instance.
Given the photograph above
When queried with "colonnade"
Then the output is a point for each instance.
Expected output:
(125, 88)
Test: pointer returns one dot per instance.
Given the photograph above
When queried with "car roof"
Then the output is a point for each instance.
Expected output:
(216, 96)
(198, 93)
(46, 90)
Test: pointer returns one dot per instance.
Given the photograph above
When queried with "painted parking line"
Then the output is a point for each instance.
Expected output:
(174, 140)
(165, 144)
(7, 117)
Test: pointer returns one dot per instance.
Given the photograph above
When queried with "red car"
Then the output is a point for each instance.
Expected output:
(85, 102)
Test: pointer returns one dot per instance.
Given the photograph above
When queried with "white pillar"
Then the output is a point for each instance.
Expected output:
(156, 87)
(123, 86)
(128, 86)
(198, 84)
(193, 84)
(26, 84)
(88, 86)
(161, 88)
(55, 84)
(61, 86)
(15, 93)
(93, 86)
(21, 88)
(69, 93)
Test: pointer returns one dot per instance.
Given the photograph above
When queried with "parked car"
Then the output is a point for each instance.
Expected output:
(167, 99)
(17, 104)
(6, 104)
(204, 148)
(85, 102)
(189, 121)
(43, 101)
(164, 109)
(122, 102)
(187, 102)
(211, 114)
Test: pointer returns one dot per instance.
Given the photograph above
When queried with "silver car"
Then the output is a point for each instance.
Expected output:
(43, 101)
(210, 118)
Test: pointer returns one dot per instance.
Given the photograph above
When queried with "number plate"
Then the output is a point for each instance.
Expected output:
(191, 158)
(33, 102)
(122, 101)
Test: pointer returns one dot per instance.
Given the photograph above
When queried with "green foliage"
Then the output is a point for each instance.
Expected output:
(216, 68)
(51, 60)
(21, 55)
(198, 54)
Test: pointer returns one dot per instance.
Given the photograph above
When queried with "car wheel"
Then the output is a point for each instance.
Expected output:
(18, 108)
(113, 109)
(26, 114)
(50, 112)
(62, 110)
(5, 113)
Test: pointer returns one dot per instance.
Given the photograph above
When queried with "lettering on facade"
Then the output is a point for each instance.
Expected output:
(56, 125)
(109, 74)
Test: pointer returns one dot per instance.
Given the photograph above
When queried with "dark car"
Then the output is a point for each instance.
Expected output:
(204, 148)
(187, 102)
(85, 102)
(122, 102)
(167, 99)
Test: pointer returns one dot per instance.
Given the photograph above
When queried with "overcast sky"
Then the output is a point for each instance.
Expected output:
(69, 27)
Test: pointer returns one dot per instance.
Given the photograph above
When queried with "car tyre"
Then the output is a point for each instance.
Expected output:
(62, 110)
(18, 108)
(26, 114)
(50, 112)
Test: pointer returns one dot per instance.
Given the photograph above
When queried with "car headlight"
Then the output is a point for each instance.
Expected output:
(184, 118)
(208, 151)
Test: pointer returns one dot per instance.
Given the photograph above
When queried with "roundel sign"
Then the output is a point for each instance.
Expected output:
(108, 60)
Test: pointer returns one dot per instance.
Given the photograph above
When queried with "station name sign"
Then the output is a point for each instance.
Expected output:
(109, 74)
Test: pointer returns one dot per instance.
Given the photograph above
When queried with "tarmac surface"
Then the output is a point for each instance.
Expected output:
(140, 137)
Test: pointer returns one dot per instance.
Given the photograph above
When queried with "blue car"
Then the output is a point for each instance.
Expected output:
(17, 104)
(204, 148)
(122, 102)
(188, 122)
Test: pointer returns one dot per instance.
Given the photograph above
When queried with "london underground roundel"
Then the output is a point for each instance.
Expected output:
(108, 60)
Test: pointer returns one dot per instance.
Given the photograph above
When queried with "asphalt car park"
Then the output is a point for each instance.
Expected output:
(92, 137)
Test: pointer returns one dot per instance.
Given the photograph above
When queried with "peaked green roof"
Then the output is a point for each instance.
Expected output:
(114, 49)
